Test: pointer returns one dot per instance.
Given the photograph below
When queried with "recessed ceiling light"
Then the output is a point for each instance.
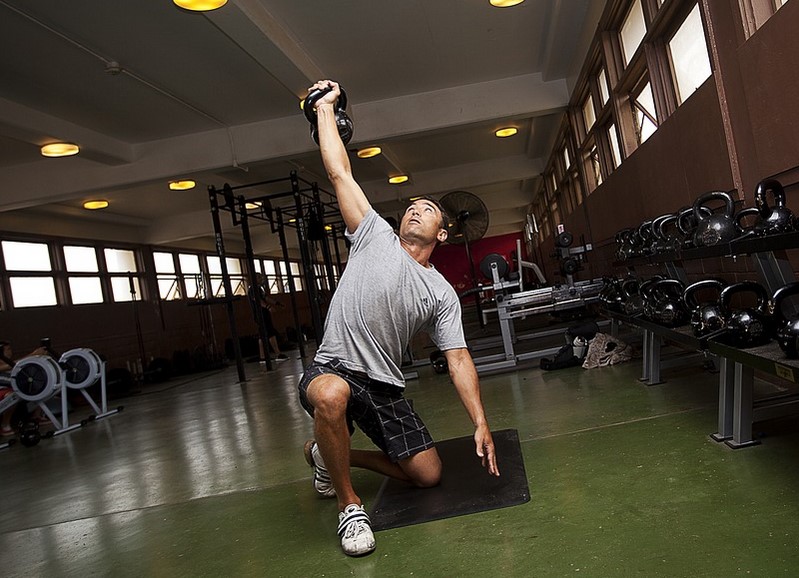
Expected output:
(506, 132)
(200, 5)
(94, 205)
(60, 149)
(369, 152)
(398, 180)
(505, 3)
(181, 185)
(252, 206)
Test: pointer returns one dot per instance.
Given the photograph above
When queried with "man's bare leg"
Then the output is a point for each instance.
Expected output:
(422, 469)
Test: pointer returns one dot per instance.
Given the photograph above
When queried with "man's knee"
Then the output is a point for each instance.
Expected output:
(423, 469)
(329, 395)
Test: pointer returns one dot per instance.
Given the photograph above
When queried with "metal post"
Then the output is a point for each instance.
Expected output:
(220, 251)
(292, 288)
(255, 290)
(305, 257)
(320, 208)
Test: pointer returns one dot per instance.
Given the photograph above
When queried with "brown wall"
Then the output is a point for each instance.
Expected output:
(690, 154)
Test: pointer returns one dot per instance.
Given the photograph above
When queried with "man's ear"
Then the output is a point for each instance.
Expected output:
(442, 235)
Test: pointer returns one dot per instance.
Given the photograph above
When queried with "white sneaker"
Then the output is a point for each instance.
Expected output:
(321, 479)
(355, 531)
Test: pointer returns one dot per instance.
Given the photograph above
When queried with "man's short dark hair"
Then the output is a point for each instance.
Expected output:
(444, 216)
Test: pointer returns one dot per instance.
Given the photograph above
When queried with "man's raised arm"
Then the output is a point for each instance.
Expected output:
(352, 201)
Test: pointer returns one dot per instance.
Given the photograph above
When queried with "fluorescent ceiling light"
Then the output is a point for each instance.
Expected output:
(181, 185)
(94, 205)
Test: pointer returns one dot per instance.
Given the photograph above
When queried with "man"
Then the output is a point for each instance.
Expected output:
(388, 292)
(259, 296)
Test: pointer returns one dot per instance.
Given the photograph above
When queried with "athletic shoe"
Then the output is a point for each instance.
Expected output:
(355, 531)
(282, 357)
(321, 479)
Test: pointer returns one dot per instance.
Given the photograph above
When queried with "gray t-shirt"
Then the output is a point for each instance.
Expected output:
(383, 299)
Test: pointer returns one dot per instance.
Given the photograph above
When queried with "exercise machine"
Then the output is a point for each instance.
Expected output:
(37, 379)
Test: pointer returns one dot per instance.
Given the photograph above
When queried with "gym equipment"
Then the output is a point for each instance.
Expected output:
(746, 230)
(718, 227)
(466, 487)
(687, 223)
(776, 218)
(746, 326)
(29, 434)
(666, 303)
(706, 315)
(83, 368)
(787, 323)
(343, 122)
(663, 241)
(512, 306)
(439, 362)
(570, 258)
(39, 378)
(633, 300)
(612, 295)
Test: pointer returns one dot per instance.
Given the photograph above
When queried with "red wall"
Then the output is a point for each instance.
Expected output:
(451, 260)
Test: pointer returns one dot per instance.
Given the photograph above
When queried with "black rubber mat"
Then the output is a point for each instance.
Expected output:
(466, 487)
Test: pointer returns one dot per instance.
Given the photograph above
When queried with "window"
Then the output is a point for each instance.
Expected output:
(234, 271)
(272, 278)
(567, 161)
(613, 140)
(593, 167)
(29, 290)
(589, 116)
(755, 13)
(632, 32)
(192, 275)
(643, 106)
(168, 281)
(602, 83)
(84, 288)
(121, 267)
(689, 57)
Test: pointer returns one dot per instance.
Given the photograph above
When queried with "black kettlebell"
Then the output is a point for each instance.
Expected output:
(343, 122)
(747, 326)
(666, 240)
(787, 324)
(439, 362)
(633, 301)
(29, 434)
(667, 308)
(686, 225)
(611, 294)
(747, 230)
(705, 315)
(624, 244)
(648, 296)
(718, 227)
(776, 218)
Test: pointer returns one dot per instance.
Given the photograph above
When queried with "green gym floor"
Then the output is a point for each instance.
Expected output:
(204, 476)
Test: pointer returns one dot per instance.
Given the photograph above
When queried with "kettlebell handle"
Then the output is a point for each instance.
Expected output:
(781, 295)
(745, 286)
(729, 205)
(777, 192)
(664, 286)
(316, 94)
(689, 295)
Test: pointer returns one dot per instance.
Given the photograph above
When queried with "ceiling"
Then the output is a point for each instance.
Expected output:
(154, 93)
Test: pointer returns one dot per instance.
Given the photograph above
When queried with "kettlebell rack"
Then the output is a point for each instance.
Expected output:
(737, 407)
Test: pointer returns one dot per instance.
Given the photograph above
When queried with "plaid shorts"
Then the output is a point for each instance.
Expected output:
(379, 409)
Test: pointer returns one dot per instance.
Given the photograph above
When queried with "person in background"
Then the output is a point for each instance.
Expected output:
(260, 297)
